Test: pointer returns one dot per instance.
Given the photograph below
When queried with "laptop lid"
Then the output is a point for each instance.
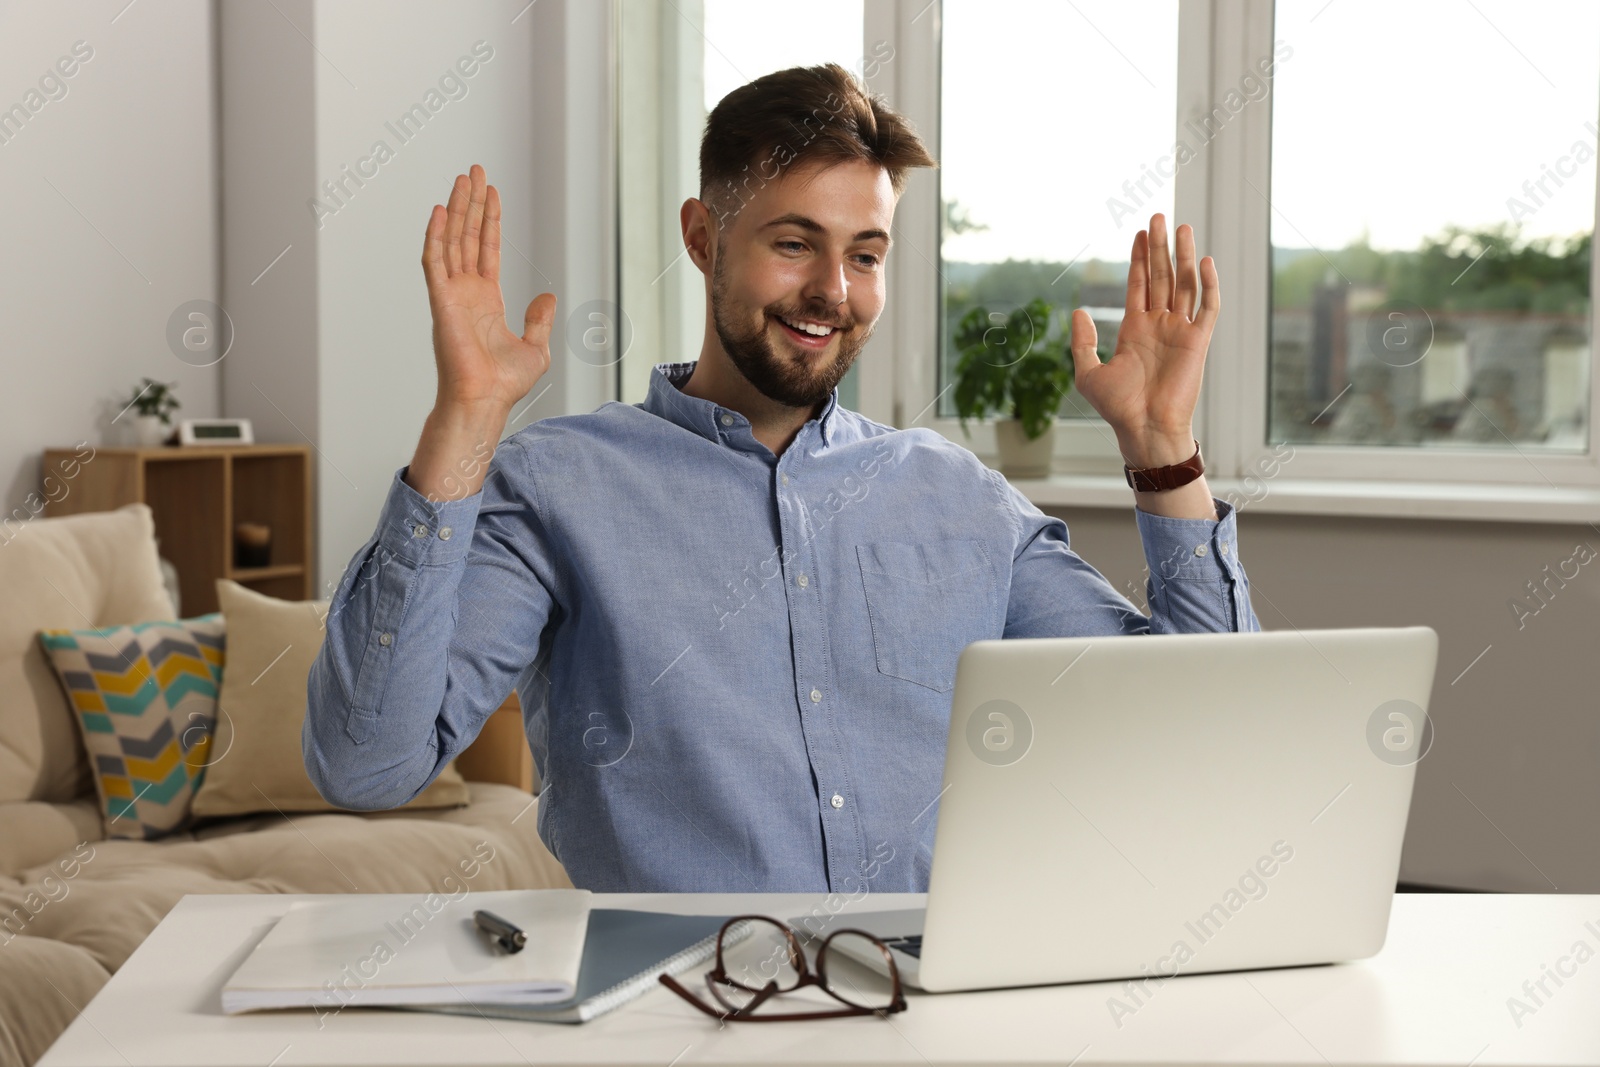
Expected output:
(1154, 805)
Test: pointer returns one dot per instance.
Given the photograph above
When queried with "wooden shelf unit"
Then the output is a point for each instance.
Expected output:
(197, 493)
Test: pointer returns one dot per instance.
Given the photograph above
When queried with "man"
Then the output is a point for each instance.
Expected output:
(733, 612)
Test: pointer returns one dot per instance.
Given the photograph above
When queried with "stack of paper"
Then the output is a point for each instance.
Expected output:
(394, 949)
(624, 957)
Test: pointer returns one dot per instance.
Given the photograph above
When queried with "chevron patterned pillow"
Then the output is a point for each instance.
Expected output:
(146, 698)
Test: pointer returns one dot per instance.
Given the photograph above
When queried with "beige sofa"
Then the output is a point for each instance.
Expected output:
(74, 905)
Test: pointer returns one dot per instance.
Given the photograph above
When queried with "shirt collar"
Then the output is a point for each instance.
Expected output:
(667, 400)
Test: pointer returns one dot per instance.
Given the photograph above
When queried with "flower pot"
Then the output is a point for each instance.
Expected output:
(1021, 457)
(149, 430)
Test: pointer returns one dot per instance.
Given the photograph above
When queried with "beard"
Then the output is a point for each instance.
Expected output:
(792, 379)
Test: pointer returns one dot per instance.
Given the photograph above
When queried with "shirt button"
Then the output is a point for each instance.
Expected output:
(1199, 550)
(1224, 548)
(816, 696)
(803, 581)
(444, 533)
(784, 478)
(727, 420)
(837, 801)
(419, 530)
(386, 639)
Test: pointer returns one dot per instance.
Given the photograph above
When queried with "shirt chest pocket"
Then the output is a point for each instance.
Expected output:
(926, 602)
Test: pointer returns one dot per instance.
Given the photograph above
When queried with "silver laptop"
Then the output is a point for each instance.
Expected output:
(1157, 805)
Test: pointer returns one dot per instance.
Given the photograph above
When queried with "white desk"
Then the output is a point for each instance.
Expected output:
(1436, 994)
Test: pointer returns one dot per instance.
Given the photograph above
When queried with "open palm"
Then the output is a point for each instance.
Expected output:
(1147, 391)
(481, 362)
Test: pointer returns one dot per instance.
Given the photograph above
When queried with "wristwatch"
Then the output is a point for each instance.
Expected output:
(1155, 479)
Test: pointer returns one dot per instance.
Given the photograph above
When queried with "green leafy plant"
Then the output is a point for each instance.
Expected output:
(155, 398)
(1011, 366)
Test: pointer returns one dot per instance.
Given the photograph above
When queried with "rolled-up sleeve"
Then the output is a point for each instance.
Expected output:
(1196, 582)
(432, 623)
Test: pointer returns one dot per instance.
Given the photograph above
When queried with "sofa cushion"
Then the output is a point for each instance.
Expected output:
(257, 763)
(33, 832)
(44, 984)
(146, 700)
(94, 569)
(111, 894)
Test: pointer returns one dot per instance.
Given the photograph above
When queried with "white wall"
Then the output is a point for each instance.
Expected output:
(110, 219)
(332, 343)
(376, 371)
(340, 349)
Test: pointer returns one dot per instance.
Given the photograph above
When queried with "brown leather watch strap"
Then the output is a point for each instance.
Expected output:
(1156, 479)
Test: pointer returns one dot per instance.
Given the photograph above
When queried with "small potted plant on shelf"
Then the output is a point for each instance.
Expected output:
(155, 402)
(1009, 365)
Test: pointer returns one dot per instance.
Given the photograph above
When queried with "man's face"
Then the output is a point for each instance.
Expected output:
(806, 249)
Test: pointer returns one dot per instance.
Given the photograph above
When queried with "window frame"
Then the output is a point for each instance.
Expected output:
(1218, 43)
(908, 333)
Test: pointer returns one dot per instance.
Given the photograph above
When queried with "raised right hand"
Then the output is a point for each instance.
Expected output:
(483, 366)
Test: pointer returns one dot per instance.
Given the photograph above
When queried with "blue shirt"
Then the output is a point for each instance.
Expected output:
(735, 668)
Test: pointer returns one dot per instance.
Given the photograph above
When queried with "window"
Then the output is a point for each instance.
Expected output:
(1051, 161)
(1056, 130)
(1430, 261)
(1357, 170)
(1400, 199)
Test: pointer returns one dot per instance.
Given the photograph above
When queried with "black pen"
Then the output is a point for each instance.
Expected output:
(506, 935)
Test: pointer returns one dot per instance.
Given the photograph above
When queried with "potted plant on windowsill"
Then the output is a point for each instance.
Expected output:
(1009, 365)
(155, 402)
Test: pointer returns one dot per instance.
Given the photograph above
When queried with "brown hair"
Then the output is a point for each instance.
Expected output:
(802, 114)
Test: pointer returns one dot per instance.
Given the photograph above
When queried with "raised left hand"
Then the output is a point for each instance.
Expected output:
(1147, 391)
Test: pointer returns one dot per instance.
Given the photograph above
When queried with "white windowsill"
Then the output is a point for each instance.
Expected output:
(1365, 499)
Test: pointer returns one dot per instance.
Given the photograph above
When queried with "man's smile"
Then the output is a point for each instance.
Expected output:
(805, 332)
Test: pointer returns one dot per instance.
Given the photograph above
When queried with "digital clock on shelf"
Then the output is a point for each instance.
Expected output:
(215, 432)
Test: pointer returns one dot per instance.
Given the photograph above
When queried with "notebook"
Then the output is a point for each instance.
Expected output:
(398, 948)
(624, 954)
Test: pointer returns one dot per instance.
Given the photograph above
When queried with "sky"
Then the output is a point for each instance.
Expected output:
(1389, 119)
